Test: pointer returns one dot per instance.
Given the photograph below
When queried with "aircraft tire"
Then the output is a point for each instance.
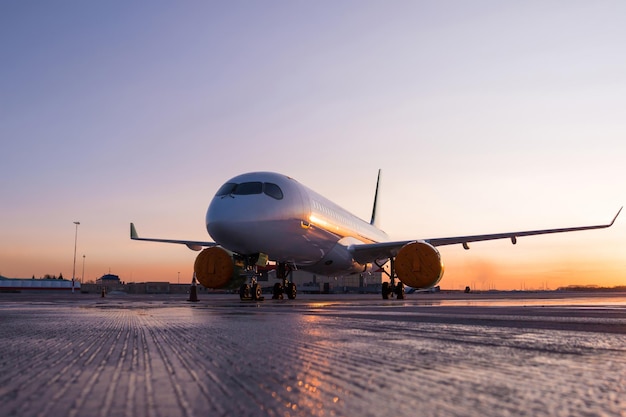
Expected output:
(257, 293)
(386, 290)
(291, 291)
(244, 292)
(278, 292)
(400, 291)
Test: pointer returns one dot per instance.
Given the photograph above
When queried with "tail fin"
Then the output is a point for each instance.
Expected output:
(374, 221)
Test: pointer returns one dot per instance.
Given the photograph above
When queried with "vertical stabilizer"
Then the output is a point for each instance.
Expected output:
(374, 221)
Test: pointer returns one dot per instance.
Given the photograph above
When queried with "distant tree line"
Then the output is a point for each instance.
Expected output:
(48, 276)
(592, 288)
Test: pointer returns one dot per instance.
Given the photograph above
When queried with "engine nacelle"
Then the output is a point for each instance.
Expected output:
(418, 265)
(214, 267)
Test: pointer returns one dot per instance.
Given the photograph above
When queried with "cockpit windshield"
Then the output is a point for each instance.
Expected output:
(272, 190)
(249, 188)
(226, 189)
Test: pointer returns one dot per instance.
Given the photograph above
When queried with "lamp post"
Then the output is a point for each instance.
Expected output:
(179, 277)
(82, 277)
(74, 267)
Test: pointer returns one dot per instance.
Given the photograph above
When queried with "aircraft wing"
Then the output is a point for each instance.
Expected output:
(191, 244)
(378, 251)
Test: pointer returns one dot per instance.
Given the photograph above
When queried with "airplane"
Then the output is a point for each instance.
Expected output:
(258, 217)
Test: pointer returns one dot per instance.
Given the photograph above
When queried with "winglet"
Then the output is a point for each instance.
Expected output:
(373, 220)
(133, 232)
(615, 218)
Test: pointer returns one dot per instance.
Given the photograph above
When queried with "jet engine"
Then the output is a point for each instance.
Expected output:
(214, 267)
(418, 265)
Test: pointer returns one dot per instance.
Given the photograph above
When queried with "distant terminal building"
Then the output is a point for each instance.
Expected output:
(306, 282)
(155, 288)
(37, 285)
(109, 280)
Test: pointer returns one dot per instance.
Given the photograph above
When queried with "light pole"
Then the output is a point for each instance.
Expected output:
(74, 267)
(82, 277)
(179, 277)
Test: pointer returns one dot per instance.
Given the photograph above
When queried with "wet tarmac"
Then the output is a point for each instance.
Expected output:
(518, 354)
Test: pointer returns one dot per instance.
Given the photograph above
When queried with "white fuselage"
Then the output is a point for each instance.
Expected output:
(265, 212)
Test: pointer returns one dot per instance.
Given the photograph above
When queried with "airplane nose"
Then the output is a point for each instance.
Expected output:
(248, 212)
(232, 222)
(225, 232)
(224, 217)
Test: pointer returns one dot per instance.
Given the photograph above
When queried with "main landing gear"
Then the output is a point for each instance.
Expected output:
(390, 288)
(286, 287)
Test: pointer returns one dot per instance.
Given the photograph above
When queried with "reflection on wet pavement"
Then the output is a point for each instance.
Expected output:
(313, 356)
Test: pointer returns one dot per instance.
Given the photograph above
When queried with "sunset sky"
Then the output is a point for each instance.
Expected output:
(485, 116)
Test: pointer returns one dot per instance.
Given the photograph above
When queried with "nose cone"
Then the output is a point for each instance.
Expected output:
(244, 213)
(227, 222)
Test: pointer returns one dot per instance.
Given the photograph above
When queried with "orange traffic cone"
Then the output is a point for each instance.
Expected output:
(193, 290)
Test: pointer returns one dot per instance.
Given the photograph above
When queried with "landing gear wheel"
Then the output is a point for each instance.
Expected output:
(400, 291)
(291, 291)
(257, 293)
(277, 294)
(244, 292)
(386, 290)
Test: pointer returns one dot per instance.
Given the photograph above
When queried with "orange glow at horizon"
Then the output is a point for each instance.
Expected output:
(479, 268)
(519, 272)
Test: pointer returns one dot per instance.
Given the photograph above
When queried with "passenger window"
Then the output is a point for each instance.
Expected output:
(247, 188)
(226, 189)
(273, 190)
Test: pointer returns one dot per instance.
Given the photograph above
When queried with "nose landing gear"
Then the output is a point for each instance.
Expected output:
(253, 291)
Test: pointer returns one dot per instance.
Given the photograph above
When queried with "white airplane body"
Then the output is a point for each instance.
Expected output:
(263, 215)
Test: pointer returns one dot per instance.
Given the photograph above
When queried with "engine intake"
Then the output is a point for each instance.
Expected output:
(418, 265)
(214, 267)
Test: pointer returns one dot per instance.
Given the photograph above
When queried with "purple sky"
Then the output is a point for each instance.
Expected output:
(484, 116)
